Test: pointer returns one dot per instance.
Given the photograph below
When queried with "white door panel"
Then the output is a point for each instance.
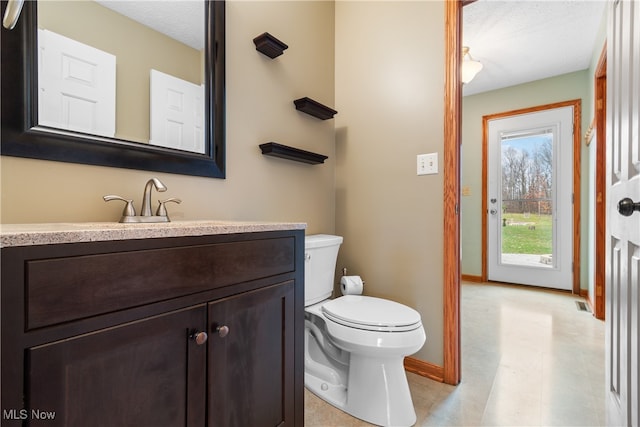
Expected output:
(77, 86)
(177, 113)
(622, 275)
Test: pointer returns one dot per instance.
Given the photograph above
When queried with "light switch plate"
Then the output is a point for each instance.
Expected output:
(427, 164)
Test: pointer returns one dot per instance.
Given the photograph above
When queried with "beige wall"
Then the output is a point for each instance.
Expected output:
(137, 49)
(389, 94)
(562, 88)
(389, 91)
(260, 94)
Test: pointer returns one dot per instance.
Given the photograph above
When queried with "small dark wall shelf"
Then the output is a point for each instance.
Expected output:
(285, 152)
(314, 108)
(269, 45)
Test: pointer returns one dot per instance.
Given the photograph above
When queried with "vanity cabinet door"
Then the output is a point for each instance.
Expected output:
(144, 373)
(251, 359)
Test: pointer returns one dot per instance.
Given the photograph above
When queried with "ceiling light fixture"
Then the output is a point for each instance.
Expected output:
(470, 67)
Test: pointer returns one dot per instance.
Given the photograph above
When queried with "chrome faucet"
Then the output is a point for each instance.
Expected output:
(146, 197)
(129, 213)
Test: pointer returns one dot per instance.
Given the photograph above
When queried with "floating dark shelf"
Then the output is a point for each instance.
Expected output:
(269, 45)
(285, 152)
(314, 108)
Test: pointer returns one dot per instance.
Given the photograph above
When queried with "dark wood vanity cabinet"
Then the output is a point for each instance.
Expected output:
(122, 343)
(247, 373)
(142, 373)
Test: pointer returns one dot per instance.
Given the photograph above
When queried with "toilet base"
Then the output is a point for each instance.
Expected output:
(372, 389)
(381, 395)
(379, 392)
(325, 367)
(334, 394)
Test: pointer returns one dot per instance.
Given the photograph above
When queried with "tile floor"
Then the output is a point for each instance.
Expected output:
(529, 358)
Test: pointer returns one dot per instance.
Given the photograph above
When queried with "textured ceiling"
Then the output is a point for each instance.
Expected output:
(182, 20)
(517, 41)
(524, 41)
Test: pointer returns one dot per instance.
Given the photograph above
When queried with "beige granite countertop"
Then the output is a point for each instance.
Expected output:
(45, 234)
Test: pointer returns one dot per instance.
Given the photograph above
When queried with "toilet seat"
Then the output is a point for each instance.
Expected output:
(371, 314)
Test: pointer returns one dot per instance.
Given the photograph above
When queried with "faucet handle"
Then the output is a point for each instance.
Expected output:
(162, 210)
(129, 210)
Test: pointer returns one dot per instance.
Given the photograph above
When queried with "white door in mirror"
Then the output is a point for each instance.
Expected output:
(77, 86)
(177, 114)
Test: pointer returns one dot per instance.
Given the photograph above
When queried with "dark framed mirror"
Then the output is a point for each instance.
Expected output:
(23, 135)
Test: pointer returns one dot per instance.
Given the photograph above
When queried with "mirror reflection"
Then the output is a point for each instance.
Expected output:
(130, 70)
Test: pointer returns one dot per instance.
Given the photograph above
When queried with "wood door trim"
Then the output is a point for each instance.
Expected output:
(577, 114)
(471, 278)
(600, 185)
(577, 179)
(452, 139)
(424, 369)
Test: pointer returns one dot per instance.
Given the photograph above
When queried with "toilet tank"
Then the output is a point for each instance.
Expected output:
(321, 254)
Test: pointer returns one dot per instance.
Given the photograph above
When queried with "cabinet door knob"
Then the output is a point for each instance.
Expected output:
(222, 331)
(199, 337)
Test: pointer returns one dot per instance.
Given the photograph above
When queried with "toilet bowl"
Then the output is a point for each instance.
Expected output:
(355, 345)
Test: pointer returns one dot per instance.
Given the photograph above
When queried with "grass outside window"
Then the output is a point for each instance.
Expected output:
(527, 234)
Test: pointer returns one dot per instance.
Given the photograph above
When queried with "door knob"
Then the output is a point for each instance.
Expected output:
(493, 211)
(199, 337)
(627, 207)
(222, 330)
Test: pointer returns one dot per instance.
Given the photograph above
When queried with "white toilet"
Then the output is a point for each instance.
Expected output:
(355, 345)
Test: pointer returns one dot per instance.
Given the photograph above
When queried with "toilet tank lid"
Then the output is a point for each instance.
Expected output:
(321, 240)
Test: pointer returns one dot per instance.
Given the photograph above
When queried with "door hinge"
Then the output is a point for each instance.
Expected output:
(457, 209)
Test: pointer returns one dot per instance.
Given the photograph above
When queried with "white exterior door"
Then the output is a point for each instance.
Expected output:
(623, 231)
(529, 187)
(177, 113)
(77, 86)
